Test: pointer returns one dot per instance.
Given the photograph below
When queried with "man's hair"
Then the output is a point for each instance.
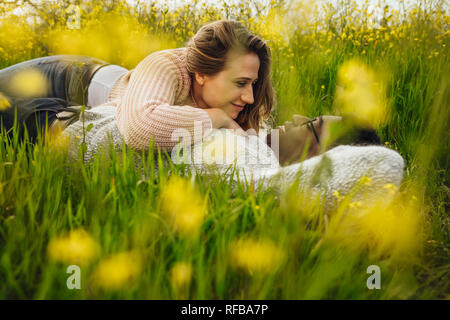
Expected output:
(356, 134)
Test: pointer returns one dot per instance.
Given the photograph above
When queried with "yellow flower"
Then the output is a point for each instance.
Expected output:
(392, 231)
(366, 181)
(361, 93)
(356, 204)
(220, 149)
(392, 188)
(57, 140)
(117, 271)
(337, 195)
(256, 256)
(4, 102)
(77, 247)
(181, 274)
(29, 83)
(183, 205)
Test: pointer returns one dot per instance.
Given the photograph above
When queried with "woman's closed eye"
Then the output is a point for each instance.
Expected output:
(241, 84)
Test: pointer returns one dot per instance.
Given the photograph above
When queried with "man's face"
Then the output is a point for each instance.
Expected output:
(297, 137)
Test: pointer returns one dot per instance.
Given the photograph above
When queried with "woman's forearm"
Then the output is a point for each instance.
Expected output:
(220, 119)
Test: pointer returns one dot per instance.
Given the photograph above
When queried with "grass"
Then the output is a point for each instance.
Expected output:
(43, 195)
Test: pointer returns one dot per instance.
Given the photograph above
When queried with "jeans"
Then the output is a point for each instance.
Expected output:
(67, 80)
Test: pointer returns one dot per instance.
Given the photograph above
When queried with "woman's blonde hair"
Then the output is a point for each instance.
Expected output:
(207, 52)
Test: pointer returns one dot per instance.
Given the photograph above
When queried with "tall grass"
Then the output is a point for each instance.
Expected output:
(292, 251)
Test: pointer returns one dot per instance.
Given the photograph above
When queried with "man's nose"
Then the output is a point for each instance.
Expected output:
(247, 95)
(298, 119)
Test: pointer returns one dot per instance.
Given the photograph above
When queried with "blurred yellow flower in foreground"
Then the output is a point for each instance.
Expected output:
(77, 247)
(361, 94)
(392, 231)
(366, 180)
(337, 195)
(117, 271)
(57, 140)
(256, 256)
(183, 205)
(4, 102)
(222, 149)
(392, 188)
(181, 274)
(29, 83)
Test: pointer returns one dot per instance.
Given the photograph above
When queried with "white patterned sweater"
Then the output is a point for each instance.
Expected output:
(339, 169)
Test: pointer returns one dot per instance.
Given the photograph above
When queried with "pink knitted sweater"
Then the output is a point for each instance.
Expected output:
(153, 100)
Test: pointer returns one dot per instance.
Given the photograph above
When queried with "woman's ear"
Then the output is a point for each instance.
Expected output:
(200, 78)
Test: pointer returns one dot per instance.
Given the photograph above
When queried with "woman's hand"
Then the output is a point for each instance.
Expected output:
(220, 119)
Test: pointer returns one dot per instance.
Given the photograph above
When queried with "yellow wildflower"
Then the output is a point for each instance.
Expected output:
(366, 181)
(355, 205)
(29, 83)
(117, 271)
(392, 188)
(4, 102)
(57, 140)
(393, 231)
(337, 194)
(361, 93)
(181, 274)
(222, 149)
(256, 256)
(184, 205)
(77, 247)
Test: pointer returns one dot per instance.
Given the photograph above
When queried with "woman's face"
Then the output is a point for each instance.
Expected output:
(230, 89)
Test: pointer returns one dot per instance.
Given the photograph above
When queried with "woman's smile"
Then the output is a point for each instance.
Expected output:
(238, 107)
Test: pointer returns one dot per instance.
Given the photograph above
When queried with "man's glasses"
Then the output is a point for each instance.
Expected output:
(310, 124)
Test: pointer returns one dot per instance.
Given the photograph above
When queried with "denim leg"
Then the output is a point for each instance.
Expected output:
(67, 77)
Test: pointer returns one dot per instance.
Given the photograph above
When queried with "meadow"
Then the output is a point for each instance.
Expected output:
(173, 235)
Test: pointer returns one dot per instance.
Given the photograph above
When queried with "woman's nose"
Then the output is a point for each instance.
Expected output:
(247, 95)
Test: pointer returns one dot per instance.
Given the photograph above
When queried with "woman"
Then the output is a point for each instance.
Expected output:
(220, 80)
